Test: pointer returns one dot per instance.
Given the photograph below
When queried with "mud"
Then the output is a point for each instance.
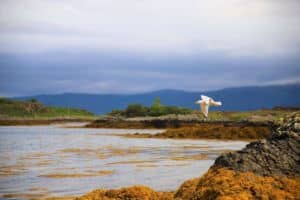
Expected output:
(89, 173)
(191, 157)
(12, 170)
(35, 196)
(100, 153)
(131, 162)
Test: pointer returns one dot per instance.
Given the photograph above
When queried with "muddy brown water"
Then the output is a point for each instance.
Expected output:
(56, 161)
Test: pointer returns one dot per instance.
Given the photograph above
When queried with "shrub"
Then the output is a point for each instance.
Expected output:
(134, 110)
(33, 100)
(156, 109)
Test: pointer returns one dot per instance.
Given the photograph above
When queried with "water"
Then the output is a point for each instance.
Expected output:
(57, 161)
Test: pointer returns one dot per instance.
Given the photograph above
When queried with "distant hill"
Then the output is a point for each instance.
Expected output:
(233, 99)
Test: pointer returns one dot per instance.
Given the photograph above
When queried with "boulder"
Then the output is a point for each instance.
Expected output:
(278, 155)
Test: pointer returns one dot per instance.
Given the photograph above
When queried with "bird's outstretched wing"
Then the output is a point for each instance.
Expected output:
(215, 103)
(205, 98)
(204, 109)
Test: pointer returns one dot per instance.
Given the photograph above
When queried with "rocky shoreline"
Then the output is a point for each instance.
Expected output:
(172, 121)
(211, 131)
(183, 127)
(266, 169)
(279, 155)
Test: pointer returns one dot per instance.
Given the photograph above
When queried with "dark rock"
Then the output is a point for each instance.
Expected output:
(278, 155)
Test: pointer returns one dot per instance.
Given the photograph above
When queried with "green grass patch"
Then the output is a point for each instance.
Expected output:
(32, 109)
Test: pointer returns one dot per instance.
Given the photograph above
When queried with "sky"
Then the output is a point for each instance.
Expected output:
(133, 46)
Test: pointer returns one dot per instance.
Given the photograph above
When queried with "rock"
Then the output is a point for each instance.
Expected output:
(224, 184)
(130, 193)
(278, 155)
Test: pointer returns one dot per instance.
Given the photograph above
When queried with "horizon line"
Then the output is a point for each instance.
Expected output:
(158, 90)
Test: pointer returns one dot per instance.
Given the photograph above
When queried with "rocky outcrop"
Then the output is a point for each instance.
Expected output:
(170, 121)
(224, 184)
(278, 155)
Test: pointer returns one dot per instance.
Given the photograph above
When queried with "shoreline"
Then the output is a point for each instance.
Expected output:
(183, 128)
(34, 122)
(264, 169)
(174, 128)
(163, 123)
(148, 136)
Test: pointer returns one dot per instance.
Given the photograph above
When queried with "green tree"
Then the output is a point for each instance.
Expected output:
(135, 110)
(156, 102)
(33, 100)
(116, 112)
(157, 108)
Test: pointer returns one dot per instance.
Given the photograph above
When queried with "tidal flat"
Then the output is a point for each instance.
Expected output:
(72, 161)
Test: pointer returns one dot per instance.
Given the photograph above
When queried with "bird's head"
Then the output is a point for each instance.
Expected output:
(198, 102)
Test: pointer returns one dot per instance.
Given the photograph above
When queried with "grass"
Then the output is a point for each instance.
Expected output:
(13, 109)
(262, 115)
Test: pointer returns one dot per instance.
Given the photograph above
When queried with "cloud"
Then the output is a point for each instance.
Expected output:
(234, 27)
(119, 73)
(115, 46)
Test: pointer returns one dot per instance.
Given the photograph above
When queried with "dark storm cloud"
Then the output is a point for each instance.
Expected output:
(110, 73)
(113, 46)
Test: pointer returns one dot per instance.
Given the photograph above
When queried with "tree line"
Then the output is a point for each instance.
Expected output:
(156, 109)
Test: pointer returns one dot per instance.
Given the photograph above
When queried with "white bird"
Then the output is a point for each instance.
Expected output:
(205, 102)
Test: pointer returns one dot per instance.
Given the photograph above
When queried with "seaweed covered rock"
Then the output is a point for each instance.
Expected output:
(132, 193)
(218, 131)
(224, 184)
(278, 155)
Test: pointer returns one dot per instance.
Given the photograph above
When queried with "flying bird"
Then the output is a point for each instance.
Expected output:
(205, 102)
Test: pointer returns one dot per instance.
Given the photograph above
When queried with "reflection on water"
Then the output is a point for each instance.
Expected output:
(72, 161)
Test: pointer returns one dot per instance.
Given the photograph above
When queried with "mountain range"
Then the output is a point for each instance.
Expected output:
(233, 99)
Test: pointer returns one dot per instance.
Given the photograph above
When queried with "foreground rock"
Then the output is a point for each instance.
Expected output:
(130, 193)
(221, 184)
(224, 184)
(279, 155)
